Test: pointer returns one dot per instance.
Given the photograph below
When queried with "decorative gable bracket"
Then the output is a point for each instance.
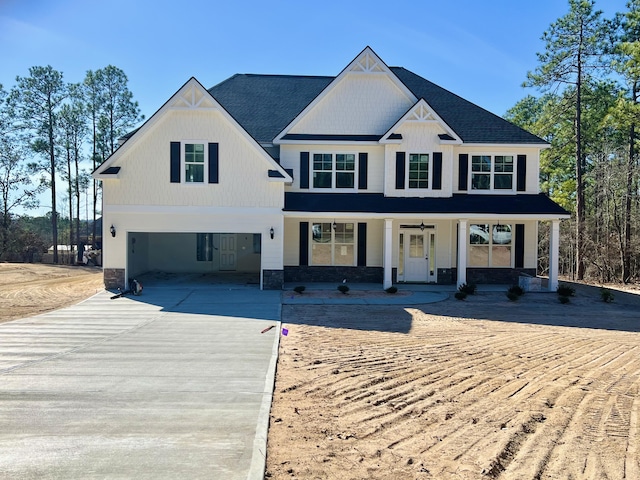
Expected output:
(421, 112)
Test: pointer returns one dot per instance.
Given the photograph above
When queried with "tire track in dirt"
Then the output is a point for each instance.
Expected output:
(453, 398)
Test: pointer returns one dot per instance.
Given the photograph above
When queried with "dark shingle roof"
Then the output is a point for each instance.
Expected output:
(265, 104)
(536, 204)
(472, 123)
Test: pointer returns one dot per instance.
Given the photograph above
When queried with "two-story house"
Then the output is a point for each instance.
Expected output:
(374, 175)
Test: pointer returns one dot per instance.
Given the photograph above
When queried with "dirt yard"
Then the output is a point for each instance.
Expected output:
(484, 388)
(29, 289)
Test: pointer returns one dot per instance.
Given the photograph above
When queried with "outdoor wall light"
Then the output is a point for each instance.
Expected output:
(422, 226)
(113, 231)
(272, 232)
(334, 225)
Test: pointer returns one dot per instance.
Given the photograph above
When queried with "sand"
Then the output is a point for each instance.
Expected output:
(484, 388)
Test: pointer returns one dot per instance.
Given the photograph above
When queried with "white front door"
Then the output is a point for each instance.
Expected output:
(227, 251)
(419, 256)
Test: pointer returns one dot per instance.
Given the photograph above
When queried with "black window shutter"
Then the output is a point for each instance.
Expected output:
(400, 166)
(522, 173)
(363, 160)
(304, 170)
(362, 244)
(304, 243)
(175, 162)
(213, 163)
(463, 171)
(519, 244)
(437, 171)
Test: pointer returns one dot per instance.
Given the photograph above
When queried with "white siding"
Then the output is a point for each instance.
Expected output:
(144, 178)
(419, 138)
(533, 164)
(290, 158)
(358, 104)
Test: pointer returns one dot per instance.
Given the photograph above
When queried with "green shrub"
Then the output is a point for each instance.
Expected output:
(606, 295)
(563, 299)
(516, 290)
(391, 289)
(468, 288)
(343, 288)
(566, 290)
(460, 295)
(512, 296)
(299, 289)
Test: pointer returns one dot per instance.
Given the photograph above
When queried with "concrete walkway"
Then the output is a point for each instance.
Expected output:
(174, 384)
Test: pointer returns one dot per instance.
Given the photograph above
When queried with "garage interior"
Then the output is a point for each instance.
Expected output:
(211, 257)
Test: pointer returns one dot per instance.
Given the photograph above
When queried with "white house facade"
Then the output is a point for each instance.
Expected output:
(374, 175)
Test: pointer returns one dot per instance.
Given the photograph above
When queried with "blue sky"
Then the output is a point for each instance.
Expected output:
(480, 50)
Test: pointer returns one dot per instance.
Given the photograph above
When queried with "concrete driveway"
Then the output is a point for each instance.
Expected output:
(174, 384)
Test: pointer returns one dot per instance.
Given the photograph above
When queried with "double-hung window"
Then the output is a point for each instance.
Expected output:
(194, 162)
(492, 173)
(490, 245)
(332, 244)
(418, 170)
(334, 170)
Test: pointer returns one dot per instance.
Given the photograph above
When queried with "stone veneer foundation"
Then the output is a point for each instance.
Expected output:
(114, 278)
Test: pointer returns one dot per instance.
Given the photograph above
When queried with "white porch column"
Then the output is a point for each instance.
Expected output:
(388, 250)
(462, 252)
(554, 252)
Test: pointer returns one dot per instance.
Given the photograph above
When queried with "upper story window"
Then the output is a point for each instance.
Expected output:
(492, 173)
(418, 170)
(194, 162)
(334, 171)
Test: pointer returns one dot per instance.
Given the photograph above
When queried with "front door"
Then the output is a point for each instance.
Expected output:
(227, 251)
(419, 256)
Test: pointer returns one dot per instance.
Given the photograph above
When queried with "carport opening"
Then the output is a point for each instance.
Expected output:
(214, 257)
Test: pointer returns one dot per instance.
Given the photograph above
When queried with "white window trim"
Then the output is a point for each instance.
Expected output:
(492, 190)
(183, 162)
(356, 168)
(406, 174)
(333, 243)
(490, 245)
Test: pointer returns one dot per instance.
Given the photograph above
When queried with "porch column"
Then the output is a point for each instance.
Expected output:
(388, 249)
(554, 249)
(462, 252)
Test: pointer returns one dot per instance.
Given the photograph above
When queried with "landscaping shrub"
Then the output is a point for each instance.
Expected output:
(563, 299)
(606, 295)
(343, 288)
(516, 290)
(460, 295)
(512, 296)
(566, 290)
(299, 289)
(468, 288)
(391, 289)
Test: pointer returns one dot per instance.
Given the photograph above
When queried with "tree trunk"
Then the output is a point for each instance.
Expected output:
(77, 185)
(54, 212)
(580, 216)
(626, 260)
(70, 186)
